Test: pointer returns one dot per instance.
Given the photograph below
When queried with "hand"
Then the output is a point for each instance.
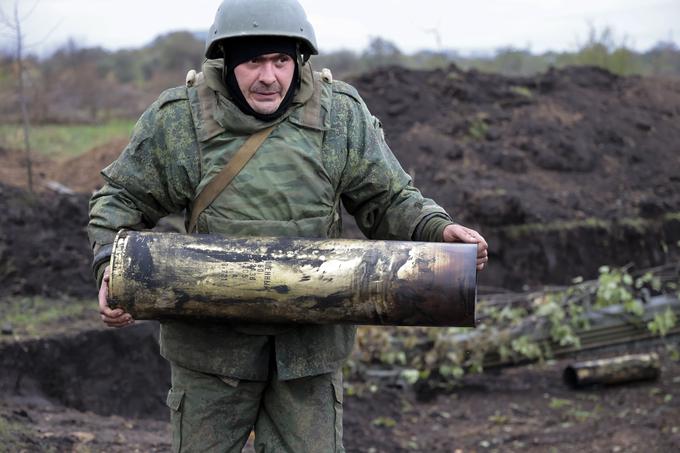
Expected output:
(459, 233)
(112, 318)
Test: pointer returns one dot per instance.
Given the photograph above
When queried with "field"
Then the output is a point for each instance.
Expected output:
(64, 141)
(563, 172)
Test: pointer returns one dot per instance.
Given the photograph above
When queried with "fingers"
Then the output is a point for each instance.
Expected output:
(477, 238)
(482, 256)
(467, 235)
(482, 247)
(459, 233)
(111, 317)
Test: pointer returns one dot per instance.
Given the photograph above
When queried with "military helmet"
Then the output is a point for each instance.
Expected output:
(239, 18)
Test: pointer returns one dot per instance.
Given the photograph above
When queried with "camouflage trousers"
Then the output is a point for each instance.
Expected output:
(214, 414)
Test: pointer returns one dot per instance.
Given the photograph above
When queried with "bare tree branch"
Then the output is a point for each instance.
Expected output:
(44, 38)
(4, 19)
(30, 11)
(14, 24)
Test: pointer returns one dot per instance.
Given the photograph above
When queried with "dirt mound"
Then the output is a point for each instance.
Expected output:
(43, 245)
(13, 168)
(83, 371)
(81, 173)
(569, 144)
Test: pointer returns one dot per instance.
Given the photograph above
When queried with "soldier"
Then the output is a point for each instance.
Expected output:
(320, 147)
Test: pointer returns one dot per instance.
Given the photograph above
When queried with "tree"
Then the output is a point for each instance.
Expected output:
(12, 26)
(381, 52)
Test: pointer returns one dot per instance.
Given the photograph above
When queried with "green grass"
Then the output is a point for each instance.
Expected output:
(478, 129)
(522, 91)
(31, 316)
(638, 223)
(9, 434)
(64, 140)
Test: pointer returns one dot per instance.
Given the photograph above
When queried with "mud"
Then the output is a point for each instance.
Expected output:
(524, 409)
(555, 254)
(105, 390)
(104, 371)
(43, 244)
(524, 159)
(567, 144)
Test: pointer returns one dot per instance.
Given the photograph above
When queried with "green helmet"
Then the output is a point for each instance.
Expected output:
(236, 18)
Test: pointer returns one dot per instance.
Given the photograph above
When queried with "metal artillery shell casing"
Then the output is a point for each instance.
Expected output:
(283, 280)
(615, 370)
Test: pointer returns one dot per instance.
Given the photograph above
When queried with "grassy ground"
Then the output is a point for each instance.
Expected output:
(25, 317)
(64, 140)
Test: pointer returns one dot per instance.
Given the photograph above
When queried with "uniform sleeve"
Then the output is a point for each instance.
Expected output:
(154, 176)
(375, 189)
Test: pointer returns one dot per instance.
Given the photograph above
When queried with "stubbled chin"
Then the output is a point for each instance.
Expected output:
(265, 108)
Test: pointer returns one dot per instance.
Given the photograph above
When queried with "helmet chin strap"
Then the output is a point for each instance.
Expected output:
(302, 58)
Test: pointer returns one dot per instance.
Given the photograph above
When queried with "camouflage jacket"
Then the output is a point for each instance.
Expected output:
(326, 149)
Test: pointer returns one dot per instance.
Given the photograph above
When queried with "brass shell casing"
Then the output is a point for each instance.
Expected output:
(613, 370)
(284, 280)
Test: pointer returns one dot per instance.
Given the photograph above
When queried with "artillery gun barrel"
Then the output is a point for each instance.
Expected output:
(284, 280)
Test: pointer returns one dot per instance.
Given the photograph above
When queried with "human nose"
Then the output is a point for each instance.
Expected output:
(267, 75)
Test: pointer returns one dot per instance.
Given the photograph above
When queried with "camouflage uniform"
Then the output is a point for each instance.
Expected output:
(326, 149)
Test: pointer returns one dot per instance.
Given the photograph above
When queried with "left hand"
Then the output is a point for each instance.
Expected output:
(459, 233)
(111, 317)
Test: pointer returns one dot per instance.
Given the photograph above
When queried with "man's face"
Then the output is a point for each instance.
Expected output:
(264, 80)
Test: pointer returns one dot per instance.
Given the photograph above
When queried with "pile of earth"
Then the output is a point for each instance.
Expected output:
(44, 248)
(567, 144)
(562, 172)
(78, 174)
(81, 173)
(43, 244)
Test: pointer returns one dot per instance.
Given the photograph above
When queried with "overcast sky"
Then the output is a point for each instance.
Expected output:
(463, 25)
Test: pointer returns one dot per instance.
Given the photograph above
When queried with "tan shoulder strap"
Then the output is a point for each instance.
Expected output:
(227, 174)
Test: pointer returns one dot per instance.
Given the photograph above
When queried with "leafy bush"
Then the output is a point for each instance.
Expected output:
(508, 331)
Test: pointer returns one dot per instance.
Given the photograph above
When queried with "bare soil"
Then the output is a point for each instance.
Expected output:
(567, 144)
(563, 172)
(104, 391)
(80, 174)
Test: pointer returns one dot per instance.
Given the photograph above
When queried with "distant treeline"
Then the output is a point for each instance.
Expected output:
(600, 49)
(77, 84)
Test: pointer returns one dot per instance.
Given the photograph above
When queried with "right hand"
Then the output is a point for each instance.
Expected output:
(111, 317)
